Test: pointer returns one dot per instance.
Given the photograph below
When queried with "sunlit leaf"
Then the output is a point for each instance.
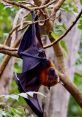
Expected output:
(63, 44)
(80, 22)
(70, 6)
(2, 113)
(54, 35)
(80, 27)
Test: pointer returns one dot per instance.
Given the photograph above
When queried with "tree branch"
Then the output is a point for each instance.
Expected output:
(57, 5)
(10, 53)
(45, 5)
(71, 87)
(34, 8)
(17, 4)
(69, 29)
(61, 66)
(7, 57)
(66, 82)
(3, 47)
(45, 2)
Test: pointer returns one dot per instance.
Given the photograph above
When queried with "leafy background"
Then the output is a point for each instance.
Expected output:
(12, 108)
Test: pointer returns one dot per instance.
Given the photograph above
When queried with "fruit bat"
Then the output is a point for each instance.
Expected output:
(37, 70)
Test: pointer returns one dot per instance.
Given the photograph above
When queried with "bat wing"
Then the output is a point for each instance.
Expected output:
(30, 49)
(33, 54)
(32, 58)
(25, 84)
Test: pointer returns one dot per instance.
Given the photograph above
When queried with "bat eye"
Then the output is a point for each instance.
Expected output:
(51, 71)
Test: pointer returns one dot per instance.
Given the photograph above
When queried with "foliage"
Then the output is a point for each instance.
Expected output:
(59, 29)
(6, 19)
(70, 6)
(11, 112)
(74, 109)
(16, 109)
(80, 23)
(81, 1)
(12, 105)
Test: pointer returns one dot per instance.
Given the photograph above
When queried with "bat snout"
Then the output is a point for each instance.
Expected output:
(52, 74)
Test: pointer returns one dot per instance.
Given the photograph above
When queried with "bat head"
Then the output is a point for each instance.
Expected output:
(52, 75)
(48, 74)
(52, 78)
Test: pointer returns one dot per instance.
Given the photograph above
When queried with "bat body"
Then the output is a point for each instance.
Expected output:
(48, 75)
(37, 70)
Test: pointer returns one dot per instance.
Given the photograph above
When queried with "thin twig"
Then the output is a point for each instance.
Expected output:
(56, 7)
(69, 29)
(4, 49)
(27, 23)
(29, 8)
(45, 5)
(10, 33)
(24, 2)
(45, 2)
(17, 4)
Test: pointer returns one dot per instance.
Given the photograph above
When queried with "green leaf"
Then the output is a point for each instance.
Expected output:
(70, 6)
(17, 66)
(15, 97)
(12, 96)
(80, 27)
(79, 67)
(81, 1)
(80, 22)
(2, 113)
(54, 35)
(63, 44)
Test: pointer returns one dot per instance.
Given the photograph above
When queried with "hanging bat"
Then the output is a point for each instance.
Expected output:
(37, 70)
